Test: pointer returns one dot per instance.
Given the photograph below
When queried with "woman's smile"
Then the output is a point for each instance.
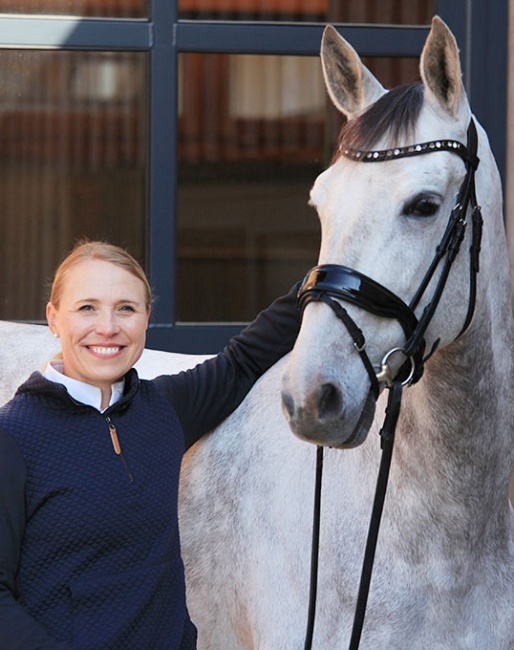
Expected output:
(104, 351)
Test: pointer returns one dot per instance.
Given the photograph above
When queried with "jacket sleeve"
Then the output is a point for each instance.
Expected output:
(18, 630)
(208, 393)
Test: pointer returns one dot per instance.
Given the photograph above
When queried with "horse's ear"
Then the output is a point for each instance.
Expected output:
(349, 83)
(441, 71)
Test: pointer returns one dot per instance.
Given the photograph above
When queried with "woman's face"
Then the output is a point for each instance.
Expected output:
(101, 320)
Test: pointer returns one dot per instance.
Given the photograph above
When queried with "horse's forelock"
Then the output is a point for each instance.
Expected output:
(394, 116)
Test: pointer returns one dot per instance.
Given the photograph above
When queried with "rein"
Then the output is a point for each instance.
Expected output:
(332, 283)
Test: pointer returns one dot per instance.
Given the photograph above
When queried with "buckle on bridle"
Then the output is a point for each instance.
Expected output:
(387, 375)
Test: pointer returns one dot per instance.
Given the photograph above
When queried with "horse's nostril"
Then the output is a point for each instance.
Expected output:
(330, 401)
(288, 403)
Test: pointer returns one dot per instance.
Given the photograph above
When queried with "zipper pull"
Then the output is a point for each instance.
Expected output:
(114, 437)
(117, 447)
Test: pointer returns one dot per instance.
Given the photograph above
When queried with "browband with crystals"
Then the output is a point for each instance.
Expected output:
(412, 150)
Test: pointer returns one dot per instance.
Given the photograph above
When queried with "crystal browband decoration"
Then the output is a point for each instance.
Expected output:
(402, 152)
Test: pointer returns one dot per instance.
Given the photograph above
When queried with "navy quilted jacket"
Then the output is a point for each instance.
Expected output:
(89, 541)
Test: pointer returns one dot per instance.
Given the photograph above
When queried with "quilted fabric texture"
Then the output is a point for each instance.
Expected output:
(100, 561)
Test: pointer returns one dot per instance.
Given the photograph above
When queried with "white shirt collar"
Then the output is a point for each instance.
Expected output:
(79, 390)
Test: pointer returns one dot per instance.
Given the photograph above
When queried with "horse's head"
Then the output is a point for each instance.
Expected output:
(382, 223)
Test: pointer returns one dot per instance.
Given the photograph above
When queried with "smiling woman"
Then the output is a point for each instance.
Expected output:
(89, 464)
(101, 318)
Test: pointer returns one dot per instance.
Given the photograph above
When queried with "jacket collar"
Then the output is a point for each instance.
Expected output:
(37, 384)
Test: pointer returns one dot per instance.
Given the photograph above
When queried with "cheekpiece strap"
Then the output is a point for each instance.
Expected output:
(412, 150)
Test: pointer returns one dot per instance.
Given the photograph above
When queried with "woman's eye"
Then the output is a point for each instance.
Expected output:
(127, 308)
(86, 308)
(422, 207)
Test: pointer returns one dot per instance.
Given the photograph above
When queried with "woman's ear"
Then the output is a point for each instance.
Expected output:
(50, 318)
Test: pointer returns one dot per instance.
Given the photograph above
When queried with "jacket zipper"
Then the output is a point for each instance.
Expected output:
(117, 447)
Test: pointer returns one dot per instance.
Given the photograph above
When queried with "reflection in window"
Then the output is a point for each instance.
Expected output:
(254, 132)
(73, 148)
(250, 146)
(271, 87)
(253, 108)
(85, 8)
(394, 12)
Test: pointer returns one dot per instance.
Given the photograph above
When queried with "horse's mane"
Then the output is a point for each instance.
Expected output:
(393, 115)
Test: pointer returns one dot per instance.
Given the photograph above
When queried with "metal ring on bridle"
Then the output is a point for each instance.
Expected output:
(386, 376)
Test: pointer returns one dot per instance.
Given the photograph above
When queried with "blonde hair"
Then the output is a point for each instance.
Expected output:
(105, 252)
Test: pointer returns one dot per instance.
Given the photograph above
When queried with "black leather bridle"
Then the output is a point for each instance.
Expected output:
(333, 284)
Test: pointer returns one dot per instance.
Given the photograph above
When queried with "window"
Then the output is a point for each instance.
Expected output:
(73, 159)
(191, 131)
(83, 8)
(253, 137)
(402, 12)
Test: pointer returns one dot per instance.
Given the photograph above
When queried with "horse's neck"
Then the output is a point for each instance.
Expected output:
(454, 446)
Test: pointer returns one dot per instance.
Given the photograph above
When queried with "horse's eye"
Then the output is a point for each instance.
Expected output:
(422, 206)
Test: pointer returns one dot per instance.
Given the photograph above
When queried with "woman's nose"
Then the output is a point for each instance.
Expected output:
(107, 324)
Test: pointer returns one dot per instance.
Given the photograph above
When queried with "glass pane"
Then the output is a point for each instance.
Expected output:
(254, 133)
(73, 163)
(86, 8)
(394, 12)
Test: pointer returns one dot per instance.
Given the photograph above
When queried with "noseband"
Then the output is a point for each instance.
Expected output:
(333, 284)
